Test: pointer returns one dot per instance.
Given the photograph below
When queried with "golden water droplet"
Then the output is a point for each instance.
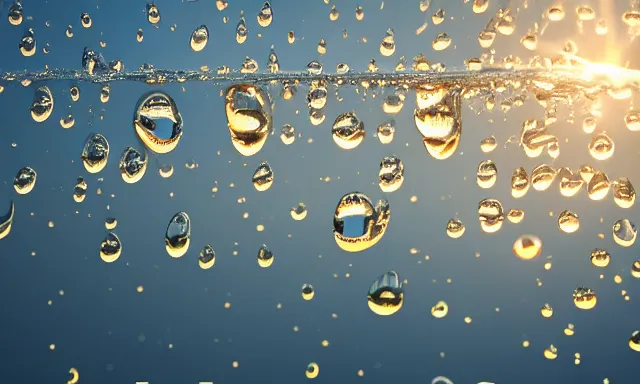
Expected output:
(598, 186)
(312, 371)
(307, 292)
(542, 177)
(357, 224)
(601, 147)
(6, 221)
(480, 6)
(248, 111)
(584, 298)
(262, 177)
(438, 118)
(455, 228)
(624, 233)
(551, 353)
(487, 174)
(568, 221)
(556, 13)
(386, 294)
(546, 311)
(441, 42)
(388, 44)
(348, 130)
(265, 257)
(110, 248)
(490, 215)
(527, 247)
(178, 235)
(440, 310)
(515, 216)
(599, 258)
(624, 194)
(519, 183)
(634, 341)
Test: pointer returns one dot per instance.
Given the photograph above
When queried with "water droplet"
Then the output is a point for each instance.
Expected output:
(585, 13)
(140, 36)
(556, 13)
(80, 190)
(486, 38)
(42, 105)
(631, 18)
(25, 180)
(266, 15)
(624, 194)
(178, 235)
(153, 14)
(207, 257)
(133, 165)
(386, 294)
(519, 183)
(314, 68)
(241, 30)
(342, 68)
(568, 221)
(601, 146)
(322, 47)
(6, 221)
(546, 311)
(634, 341)
(391, 174)
(479, 6)
(15, 13)
(110, 223)
(288, 134)
(357, 224)
(166, 171)
(542, 177)
(27, 44)
(299, 212)
(359, 13)
(487, 174)
(249, 66)
(632, 121)
(334, 14)
(488, 144)
(515, 215)
(265, 257)
(440, 123)
(75, 93)
(527, 247)
(598, 186)
(95, 153)
(248, 111)
(105, 93)
(110, 248)
(635, 269)
(600, 258)
(455, 228)
(263, 177)
(440, 310)
(291, 37)
(584, 298)
(158, 122)
(386, 131)
(199, 38)
(388, 44)
(624, 233)
(312, 371)
(438, 17)
(394, 102)
(601, 27)
(490, 215)
(348, 131)
(530, 41)
(317, 95)
(441, 42)
(307, 292)
(85, 20)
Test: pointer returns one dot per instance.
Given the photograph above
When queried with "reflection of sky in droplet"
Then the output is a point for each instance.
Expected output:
(354, 226)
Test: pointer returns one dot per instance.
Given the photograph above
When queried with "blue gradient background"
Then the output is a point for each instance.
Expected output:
(97, 323)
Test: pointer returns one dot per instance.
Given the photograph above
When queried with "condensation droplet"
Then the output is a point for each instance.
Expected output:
(178, 235)
(357, 224)
(386, 294)
(158, 122)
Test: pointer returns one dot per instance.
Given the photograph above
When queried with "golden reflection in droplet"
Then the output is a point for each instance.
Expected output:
(584, 298)
(527, 247)
(312, 371)
(440, 310)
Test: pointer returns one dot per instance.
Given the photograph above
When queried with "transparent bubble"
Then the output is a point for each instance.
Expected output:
(248, 111)
(262, 177)
(25, 180)
(42, 105)
(199, 38)
(527, 247)
(455, 228)
(95, 153)
(178, 235)
(265, 257)
(6, 221)
(158, 122)
(391, 174)
(357, 224)
(110, 248)
(348, 130)
(490, 215)
(600, 258)
(207, 257)
(386, 294)
(568, 221)
(584, 298)
(624, 232)
(133, 165)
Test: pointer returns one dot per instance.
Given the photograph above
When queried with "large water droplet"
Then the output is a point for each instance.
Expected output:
(158, 122)
(357, 224)
(95, 153)
(178, 235)
(519, 183)
(490, 215)
(199, 38)
(439, 123)
(42, 105)
(25, 180)
(263, 177)
(455, 228)
(133, 165)
(599, 258)
(527, 247)
(568, 221)
(624, 194)
(601, 146)
(110, 248)
(15, 13)
(542, 177)
(153, 14)
(312, 371)
(27, 44)
(441, 42)
(307, 292)
(348, 130)
(248, 111)
(386, 294)
(265, 16)
(598, 186)
(570, 182)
